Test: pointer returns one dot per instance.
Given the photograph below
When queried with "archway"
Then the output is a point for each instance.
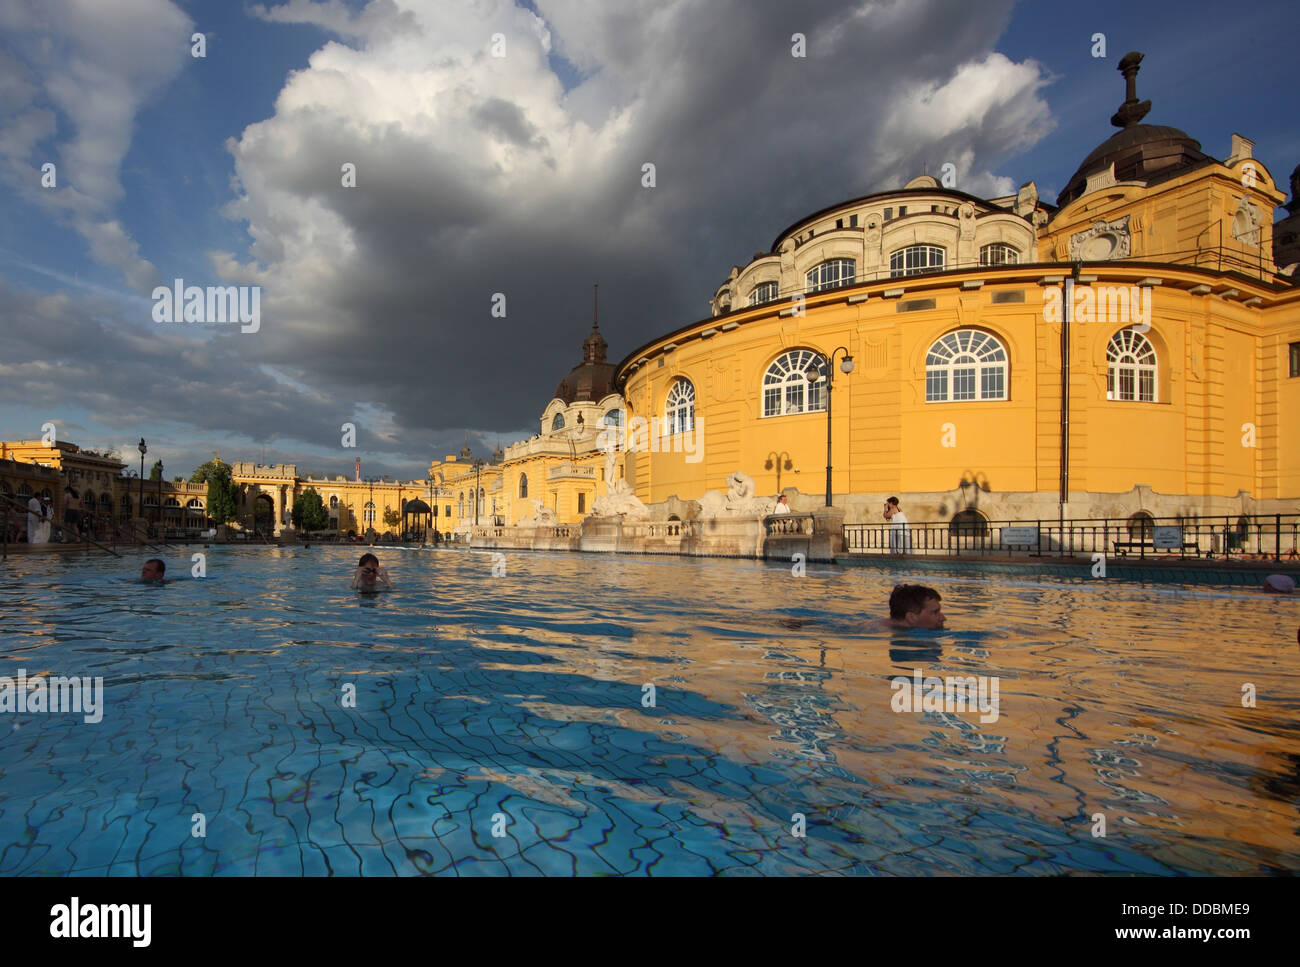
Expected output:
(264, 515)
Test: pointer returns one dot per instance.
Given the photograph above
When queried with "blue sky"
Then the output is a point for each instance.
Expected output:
(479, 175)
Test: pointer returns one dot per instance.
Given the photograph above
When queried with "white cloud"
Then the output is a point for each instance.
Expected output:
(95, 64)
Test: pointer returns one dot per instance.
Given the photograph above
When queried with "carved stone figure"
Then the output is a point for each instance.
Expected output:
(543, 516)
(738, 501)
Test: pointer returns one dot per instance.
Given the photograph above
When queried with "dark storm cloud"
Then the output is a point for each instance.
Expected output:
(478, 176)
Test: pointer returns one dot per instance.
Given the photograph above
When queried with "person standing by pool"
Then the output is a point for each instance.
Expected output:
(782, 505)
(370, 576)
(900, 539)
(38, 520)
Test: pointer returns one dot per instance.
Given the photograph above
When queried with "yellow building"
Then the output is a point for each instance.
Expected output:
(1155, 272)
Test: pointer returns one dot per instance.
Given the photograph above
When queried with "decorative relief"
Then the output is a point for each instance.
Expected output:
(1105, 240)
(1246, 222)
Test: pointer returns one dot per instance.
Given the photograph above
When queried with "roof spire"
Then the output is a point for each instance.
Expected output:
(595, 306)
(1131, 111)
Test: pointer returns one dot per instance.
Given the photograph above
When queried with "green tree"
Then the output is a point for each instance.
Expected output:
(391, 517)
(201, 473)
(309, 512)
(156, 471)
(223, 495)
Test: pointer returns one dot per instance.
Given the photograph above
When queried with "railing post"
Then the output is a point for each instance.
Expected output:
(1277, 542)
(1040, 539)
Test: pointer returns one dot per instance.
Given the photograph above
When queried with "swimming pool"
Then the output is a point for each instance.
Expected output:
(502, 724)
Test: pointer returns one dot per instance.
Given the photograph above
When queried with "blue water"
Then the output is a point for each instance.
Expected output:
(513, 705)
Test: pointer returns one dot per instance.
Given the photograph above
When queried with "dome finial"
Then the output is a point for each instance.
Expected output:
(595, 306)
(1131, 111)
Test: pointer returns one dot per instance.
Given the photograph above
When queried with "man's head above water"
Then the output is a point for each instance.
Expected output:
(915, 606)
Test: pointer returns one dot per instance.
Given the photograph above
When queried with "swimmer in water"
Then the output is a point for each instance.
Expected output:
(914, 606)
(370, 577)
(154, 570)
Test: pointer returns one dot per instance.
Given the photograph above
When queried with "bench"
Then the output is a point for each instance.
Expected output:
(1124, 547)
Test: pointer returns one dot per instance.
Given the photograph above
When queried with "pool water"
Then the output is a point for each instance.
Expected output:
(501, 723)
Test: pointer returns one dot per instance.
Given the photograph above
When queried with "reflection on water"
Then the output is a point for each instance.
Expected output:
(520, 706)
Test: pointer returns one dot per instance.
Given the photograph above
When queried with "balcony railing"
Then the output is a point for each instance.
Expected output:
(570, 470)
(1272, 536)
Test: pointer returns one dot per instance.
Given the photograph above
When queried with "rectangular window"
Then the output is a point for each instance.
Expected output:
(963, 384)
(991, 383)
(794, 397)
(889, 213)
(1008, 295)
(772, 401)
(936, 386)
(1295, 359)
(1147, 386)
(448, 511)
(582, 503)
(839, 223)
(853, 221)
(902, 211)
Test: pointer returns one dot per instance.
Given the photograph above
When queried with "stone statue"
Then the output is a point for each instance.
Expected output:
(619, 499)
(739, 500)
(543, 516)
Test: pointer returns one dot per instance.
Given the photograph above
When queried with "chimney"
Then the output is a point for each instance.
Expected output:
(358, 470)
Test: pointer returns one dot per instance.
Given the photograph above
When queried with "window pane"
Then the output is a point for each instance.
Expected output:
(963, 384)
(936, 385)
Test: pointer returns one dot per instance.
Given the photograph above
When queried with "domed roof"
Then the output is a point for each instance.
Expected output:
(593, 378)
(1139, 152)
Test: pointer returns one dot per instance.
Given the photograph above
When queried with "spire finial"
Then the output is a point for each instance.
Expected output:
(595, 305)
(1131, 111)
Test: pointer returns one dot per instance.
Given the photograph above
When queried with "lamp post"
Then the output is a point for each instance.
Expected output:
(478, 471)
(143, 450)
(782, 460)
(814, 374)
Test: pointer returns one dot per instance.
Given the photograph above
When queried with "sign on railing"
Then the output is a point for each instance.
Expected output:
(1020, 535)
(1167, 537)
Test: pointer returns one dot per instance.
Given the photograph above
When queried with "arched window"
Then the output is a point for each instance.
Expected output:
(460, 504)
(999, 253)
(369, 512)
(523, 486)
(613, 418)
(482, 503)
(1130, 367)
(124, 504)
(679, 408)
(916, 260)
(763, 292)
(831, 274)
(786, 389)
(967, 364)
(558, 422)
(334, 502)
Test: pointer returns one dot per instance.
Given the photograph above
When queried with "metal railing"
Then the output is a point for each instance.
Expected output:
(1271, 536)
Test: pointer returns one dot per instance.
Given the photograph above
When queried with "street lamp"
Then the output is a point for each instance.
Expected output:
(478, 470)
(143, 450)
(814, 374)
(160, 478)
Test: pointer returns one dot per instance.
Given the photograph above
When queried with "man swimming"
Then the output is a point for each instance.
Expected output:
(370, 577)
(915, 606)
(154, 570)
